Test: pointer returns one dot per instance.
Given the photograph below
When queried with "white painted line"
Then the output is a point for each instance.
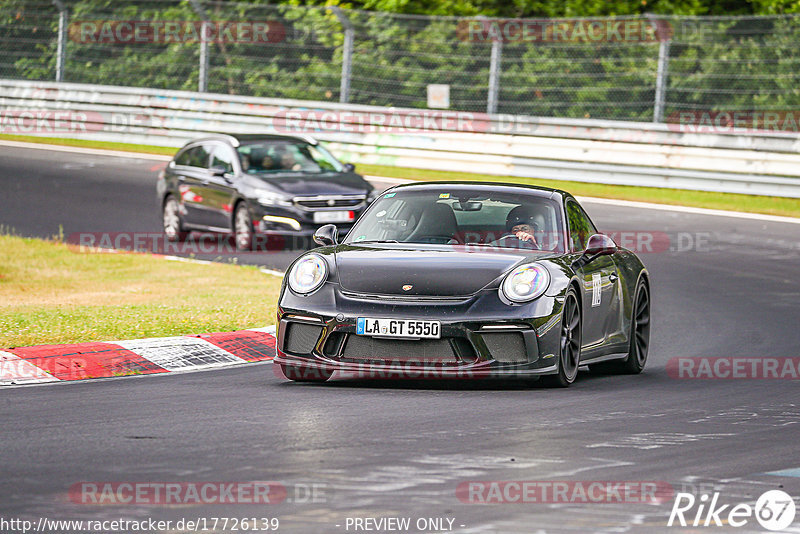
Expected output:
(181, 353)
(15, 370)
(687, 209)
(85, 150)
(393, 181)
(270, 272)
(266, 330)
(396, 181)
(188, 260)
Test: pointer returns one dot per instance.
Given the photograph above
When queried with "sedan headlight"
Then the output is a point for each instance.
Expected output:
(271, 198)
(526, 282)
(308, 274)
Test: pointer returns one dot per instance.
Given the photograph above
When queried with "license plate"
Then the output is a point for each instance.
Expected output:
(408, 328)
(333, 216)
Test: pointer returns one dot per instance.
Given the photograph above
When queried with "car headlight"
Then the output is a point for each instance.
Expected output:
(271, 198)
(308, 274)
(526, 282)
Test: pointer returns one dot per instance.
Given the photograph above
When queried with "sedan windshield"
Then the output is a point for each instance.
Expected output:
(462, 217)
(278, 156)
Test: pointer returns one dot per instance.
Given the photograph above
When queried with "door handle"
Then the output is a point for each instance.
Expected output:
(613, 277)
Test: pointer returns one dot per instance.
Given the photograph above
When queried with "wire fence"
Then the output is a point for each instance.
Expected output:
(626, 68)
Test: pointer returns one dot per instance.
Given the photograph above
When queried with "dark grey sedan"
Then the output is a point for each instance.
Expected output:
(258, 186)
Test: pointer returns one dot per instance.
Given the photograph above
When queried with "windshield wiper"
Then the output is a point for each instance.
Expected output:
(375, 241)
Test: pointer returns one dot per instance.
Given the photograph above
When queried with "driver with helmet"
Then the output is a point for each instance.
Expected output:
(525, 223)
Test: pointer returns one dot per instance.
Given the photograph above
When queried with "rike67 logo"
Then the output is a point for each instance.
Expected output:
(774, 510)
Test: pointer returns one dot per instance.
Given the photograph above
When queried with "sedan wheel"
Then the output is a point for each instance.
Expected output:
(171, 219)
(243, 228)
(571, 336)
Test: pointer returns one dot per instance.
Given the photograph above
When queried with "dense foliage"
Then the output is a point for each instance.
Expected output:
(724, 63)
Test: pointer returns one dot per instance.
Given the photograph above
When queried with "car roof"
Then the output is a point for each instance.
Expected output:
(243, 139)
(488, 187)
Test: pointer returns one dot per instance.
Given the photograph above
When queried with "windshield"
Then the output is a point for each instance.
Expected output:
(462, 217)
(277, 156)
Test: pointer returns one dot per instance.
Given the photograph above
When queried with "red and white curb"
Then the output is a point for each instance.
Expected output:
(81, 361)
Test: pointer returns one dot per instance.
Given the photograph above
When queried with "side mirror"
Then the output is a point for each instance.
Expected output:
(326, 235)
(600, 245)
(218, 170)
(349, 167)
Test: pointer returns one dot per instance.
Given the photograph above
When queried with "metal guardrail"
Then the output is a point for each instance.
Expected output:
(609, 152)
(645, 68)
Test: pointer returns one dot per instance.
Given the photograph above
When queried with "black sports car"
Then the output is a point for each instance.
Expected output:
(462, 280)
(255, 186)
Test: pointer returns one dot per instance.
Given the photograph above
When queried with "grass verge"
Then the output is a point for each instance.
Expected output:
(789, 207)
(89, 143)
(50, 293)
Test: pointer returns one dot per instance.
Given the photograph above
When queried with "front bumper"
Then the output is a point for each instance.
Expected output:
(296, 220)
(480, 336)
(289, 228)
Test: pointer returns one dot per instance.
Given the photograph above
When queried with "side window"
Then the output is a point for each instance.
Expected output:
(183, 158)
(580, 227)
(221, 155)
(194, 157)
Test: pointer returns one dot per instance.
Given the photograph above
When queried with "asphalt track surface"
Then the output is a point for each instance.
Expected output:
(382, 449)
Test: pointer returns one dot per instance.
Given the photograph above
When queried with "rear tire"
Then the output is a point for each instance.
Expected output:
(242, 228)
(305, 374)
(571, 337)
(639, 343)
(171, 220)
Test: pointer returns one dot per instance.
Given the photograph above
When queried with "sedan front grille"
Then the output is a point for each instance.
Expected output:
(329, 202)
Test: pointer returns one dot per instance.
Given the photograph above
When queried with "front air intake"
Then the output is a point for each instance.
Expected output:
(300, 338)
(506, 347)
(421, 351)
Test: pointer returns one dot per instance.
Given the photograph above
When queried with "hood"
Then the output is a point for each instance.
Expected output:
(383, 269)
(330, 183)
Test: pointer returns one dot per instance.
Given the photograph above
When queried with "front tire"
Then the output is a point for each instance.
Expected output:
(571, 337)
(305, 374)
(242, 228)
(171, 220)
(639, 343)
